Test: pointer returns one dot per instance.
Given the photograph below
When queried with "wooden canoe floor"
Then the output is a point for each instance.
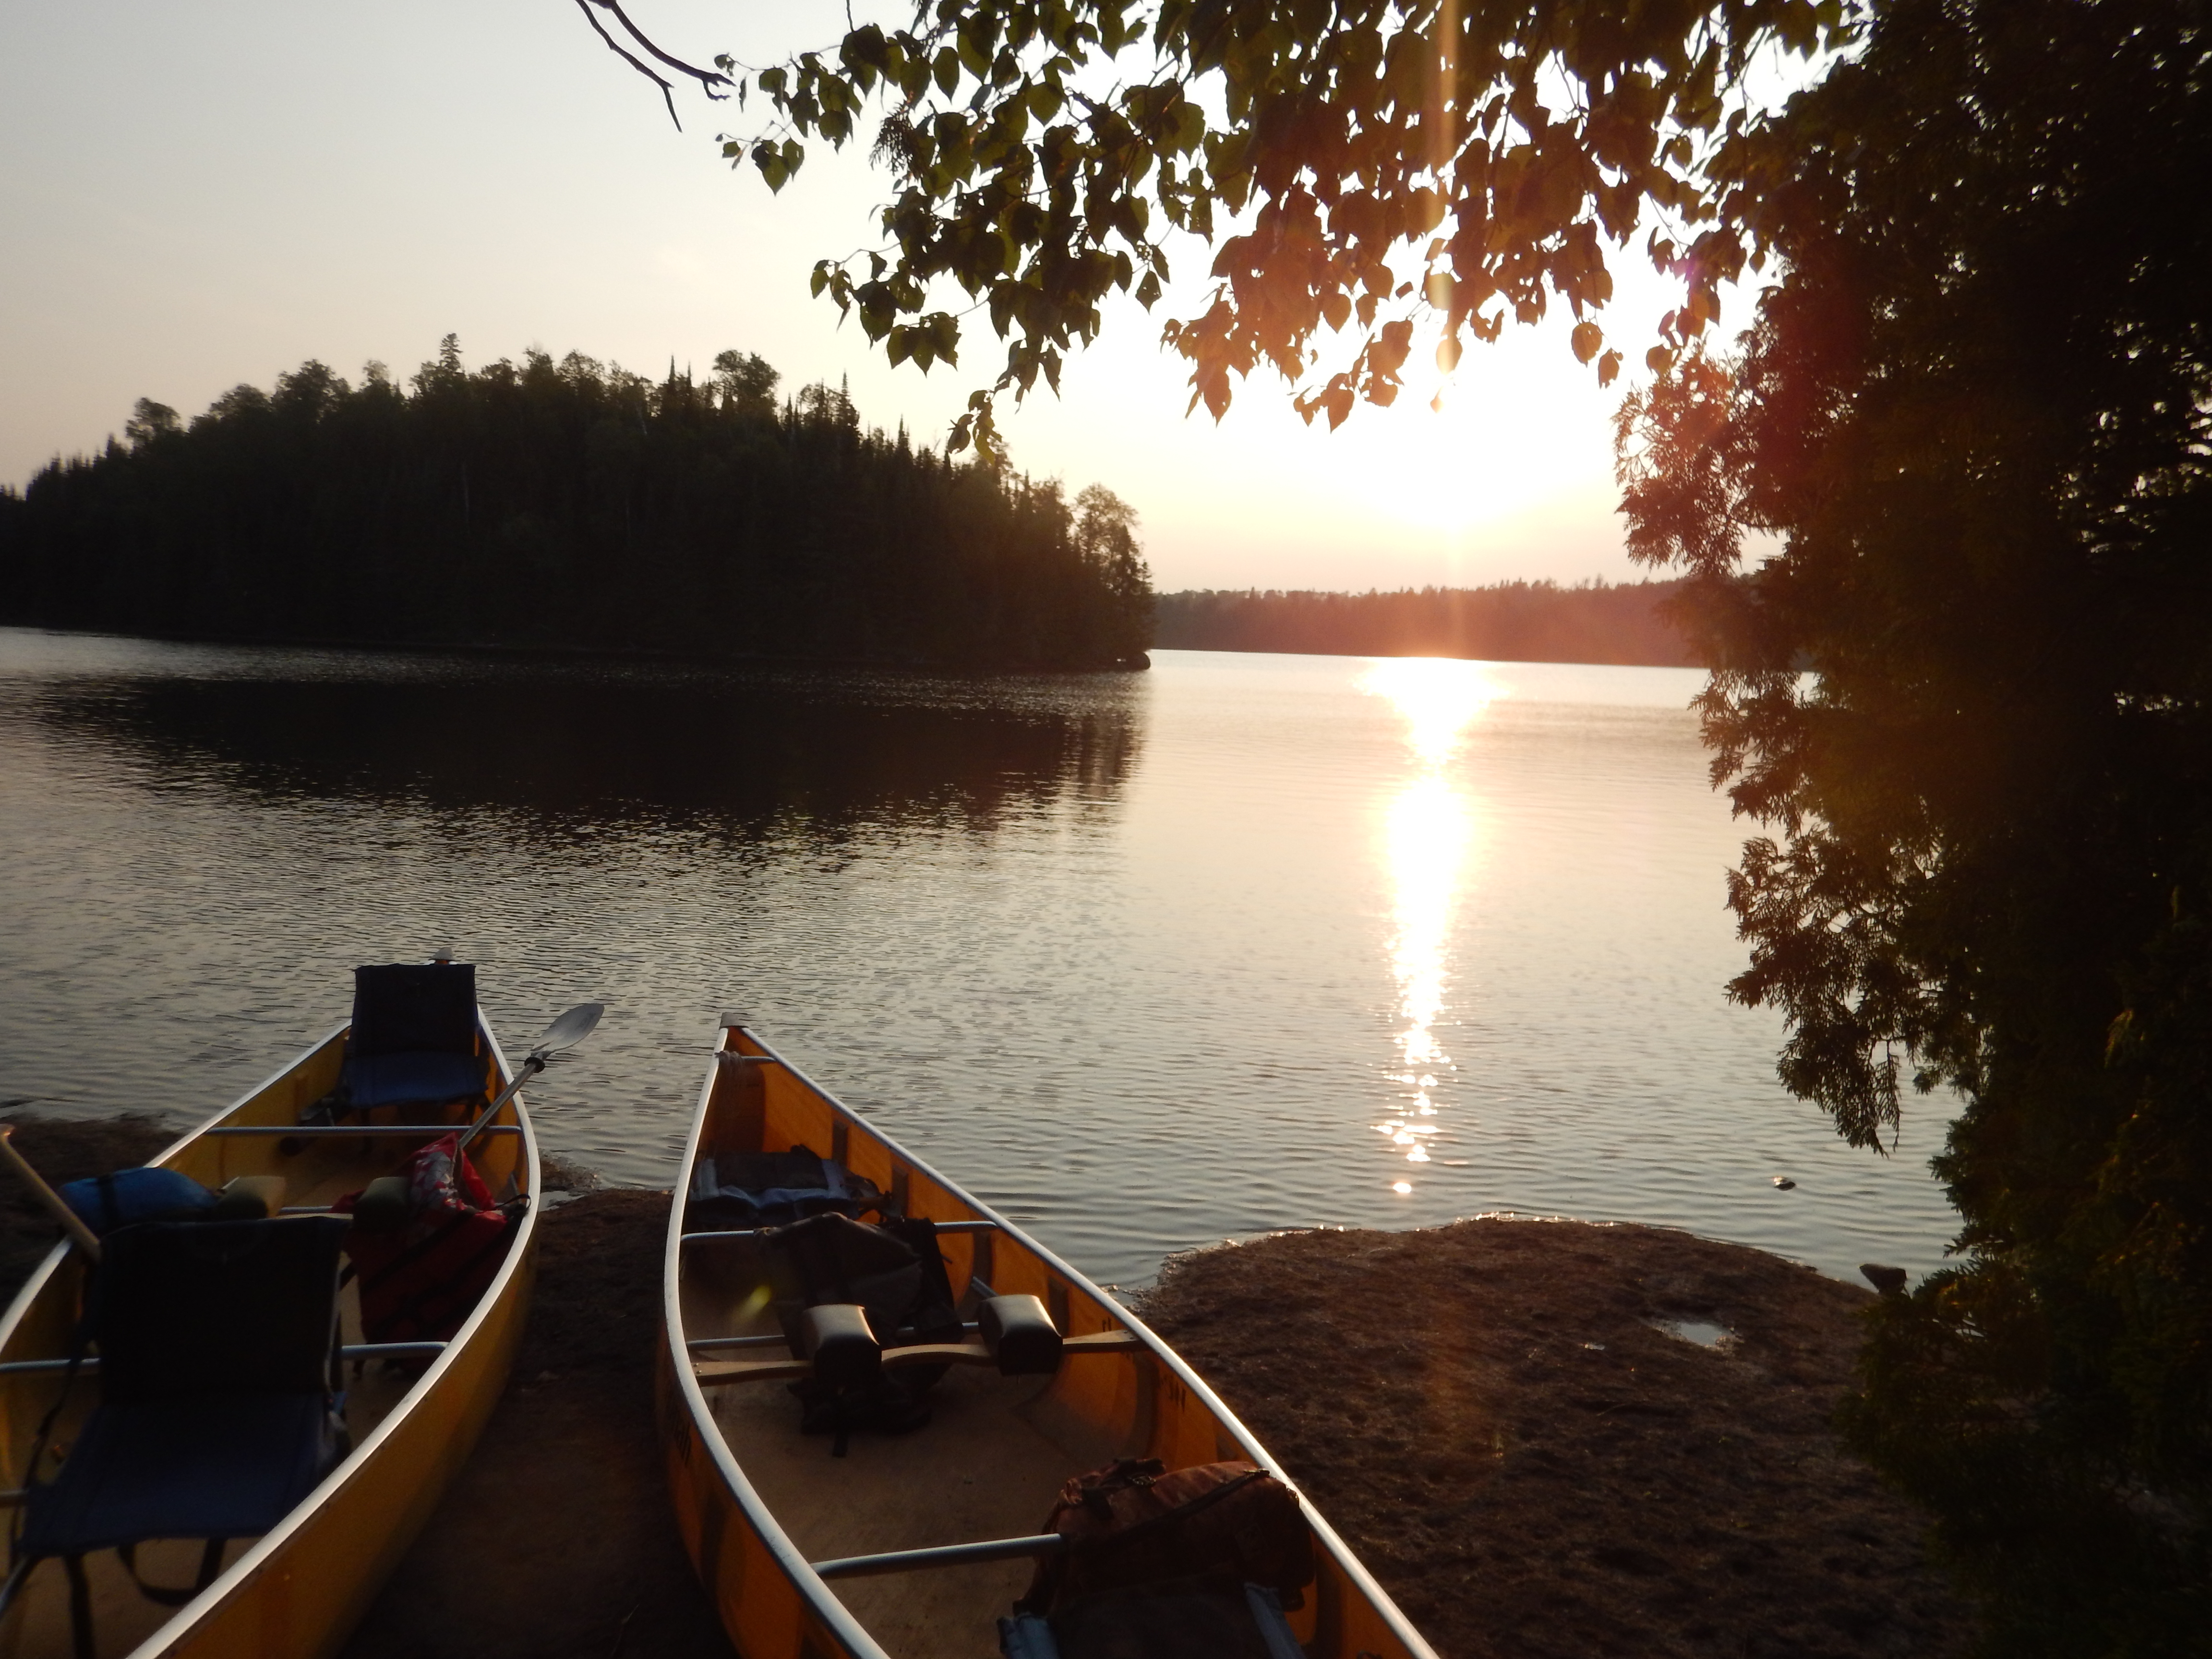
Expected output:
(1531, 1467)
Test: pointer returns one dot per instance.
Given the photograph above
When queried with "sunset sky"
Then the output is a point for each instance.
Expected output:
(193, 198)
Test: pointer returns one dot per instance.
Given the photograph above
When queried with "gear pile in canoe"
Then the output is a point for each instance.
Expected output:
(233, 1394)
(896, 1425)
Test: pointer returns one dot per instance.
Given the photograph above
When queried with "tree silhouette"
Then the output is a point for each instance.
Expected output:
(1978, 405)
(569, 504)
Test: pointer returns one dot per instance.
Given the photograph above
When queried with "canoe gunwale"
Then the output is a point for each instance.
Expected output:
(811, 1586)
(179, 1627)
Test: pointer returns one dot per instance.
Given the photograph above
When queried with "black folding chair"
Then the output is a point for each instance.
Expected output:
(414, 1041)
(218, 1408)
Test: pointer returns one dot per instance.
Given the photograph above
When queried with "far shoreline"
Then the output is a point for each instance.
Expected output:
(501, 651)
(509, 651)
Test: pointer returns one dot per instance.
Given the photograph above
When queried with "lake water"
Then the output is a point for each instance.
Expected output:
(1147, 960)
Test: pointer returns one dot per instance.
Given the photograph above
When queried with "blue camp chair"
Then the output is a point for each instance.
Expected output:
(218, 1409)
(414, 1038)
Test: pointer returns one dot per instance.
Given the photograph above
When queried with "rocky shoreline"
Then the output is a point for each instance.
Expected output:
(1544, 1438)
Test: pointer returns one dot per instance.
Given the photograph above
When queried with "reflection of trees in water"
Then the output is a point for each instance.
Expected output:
(565, 746)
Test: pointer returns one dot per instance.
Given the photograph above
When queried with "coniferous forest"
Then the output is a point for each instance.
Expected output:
(1507, 622)
(570, 504)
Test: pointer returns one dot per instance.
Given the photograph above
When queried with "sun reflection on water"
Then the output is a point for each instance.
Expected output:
(1428, 842)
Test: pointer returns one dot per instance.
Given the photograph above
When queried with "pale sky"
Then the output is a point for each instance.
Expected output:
(193, 196)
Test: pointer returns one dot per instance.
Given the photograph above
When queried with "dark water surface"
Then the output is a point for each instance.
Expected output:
(1148, 960)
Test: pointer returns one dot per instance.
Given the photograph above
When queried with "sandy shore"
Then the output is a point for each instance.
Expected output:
(556, 1540)
(1489, 1412)
(1491, 1416)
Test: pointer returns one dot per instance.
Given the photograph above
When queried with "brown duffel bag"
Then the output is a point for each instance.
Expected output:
(1132, 1523)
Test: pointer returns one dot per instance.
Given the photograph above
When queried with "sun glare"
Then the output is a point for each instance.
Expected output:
(1516, 429)
(1428, 842)
(1438, 697)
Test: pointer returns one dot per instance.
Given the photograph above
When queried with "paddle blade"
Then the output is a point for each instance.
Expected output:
(571, 1029)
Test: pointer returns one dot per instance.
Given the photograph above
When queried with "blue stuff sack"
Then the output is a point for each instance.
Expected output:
(150, 1193)
(773, 1189)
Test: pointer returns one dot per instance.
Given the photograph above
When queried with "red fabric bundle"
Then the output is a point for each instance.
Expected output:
(421, 1282)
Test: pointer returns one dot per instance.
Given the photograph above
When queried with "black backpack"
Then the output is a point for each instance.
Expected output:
(896, 1273)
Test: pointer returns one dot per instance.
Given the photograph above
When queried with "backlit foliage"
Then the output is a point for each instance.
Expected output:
(1045, 151)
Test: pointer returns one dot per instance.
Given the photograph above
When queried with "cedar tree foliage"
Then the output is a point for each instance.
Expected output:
(1968, 695)
(1977, 407)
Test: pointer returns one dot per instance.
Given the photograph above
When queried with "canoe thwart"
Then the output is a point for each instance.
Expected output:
(945, 1555)
(754, 1232)
(355, 1350)
(356, 1131)
(392, 1351)
(708, 1343)
(717, 1373)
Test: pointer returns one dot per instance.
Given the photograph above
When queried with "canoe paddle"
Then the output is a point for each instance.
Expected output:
(72, 1223)
(566, 1032)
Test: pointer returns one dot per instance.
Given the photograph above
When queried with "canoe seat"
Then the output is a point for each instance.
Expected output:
(410, 1079)
(228, 1467)
(414, 1036)
(217, 1415)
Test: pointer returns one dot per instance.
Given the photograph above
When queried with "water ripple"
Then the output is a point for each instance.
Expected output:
(1242, 944)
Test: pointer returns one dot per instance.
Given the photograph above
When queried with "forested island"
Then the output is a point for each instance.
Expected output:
(1508, 622)
(572, 505)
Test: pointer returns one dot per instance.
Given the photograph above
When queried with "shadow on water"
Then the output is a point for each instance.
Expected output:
(612, 744)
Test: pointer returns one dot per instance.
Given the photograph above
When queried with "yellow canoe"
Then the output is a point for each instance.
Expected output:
(299, 1590)
(762, 1507)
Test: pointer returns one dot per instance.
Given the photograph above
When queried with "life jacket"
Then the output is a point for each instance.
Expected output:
(773, 1189)
(419, 1282)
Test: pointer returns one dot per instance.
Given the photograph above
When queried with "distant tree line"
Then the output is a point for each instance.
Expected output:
(1510, 622)
(570, 504)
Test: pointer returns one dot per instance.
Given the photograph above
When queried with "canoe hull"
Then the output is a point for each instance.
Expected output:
(298, 1592)
(755, 1591)
(1145, 1401)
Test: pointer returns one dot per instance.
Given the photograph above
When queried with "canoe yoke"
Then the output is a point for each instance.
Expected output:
(1013, 1333)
